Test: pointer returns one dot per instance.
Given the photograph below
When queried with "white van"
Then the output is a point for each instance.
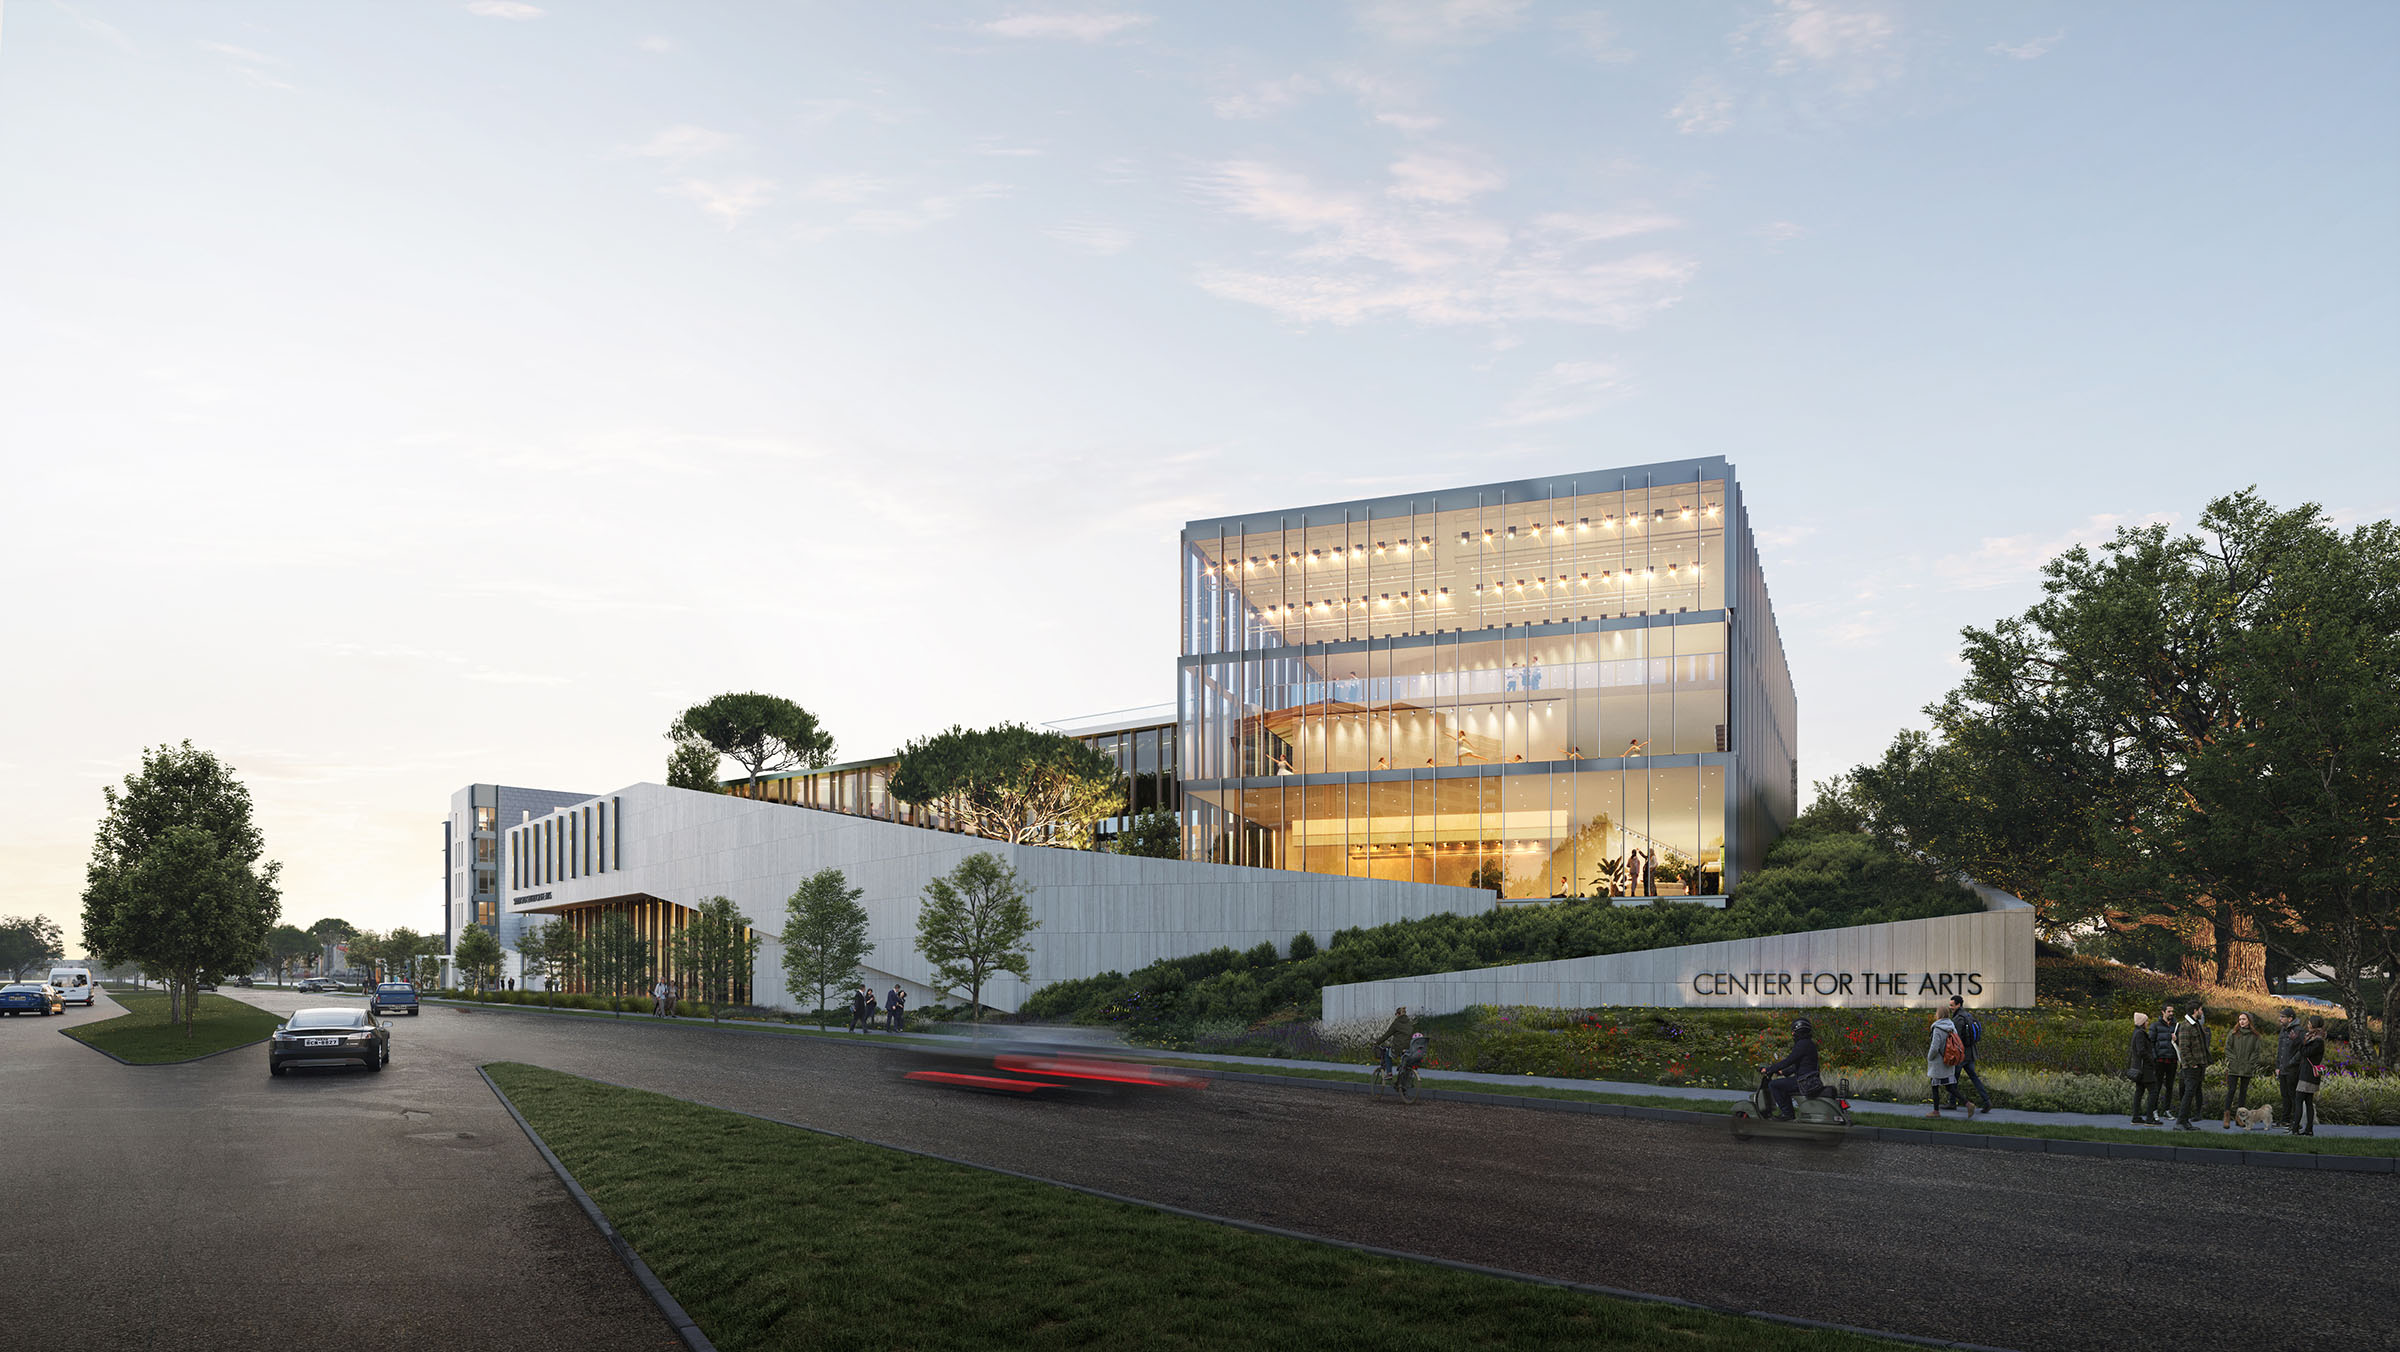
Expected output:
(75, 984)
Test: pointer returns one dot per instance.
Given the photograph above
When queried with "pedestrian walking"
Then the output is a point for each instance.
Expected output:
(2312, 1074)
(894, 1005)
(2141, 1067)
(1970, 1032)
(862, 1009)
(2162, 1038)
(1942, 1060)
(2245, 1057)
(2192, 1058)
(658, 998)
(2288, 1037)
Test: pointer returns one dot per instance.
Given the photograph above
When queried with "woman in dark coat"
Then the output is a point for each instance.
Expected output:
(2141, 1067)
(2312, 1067)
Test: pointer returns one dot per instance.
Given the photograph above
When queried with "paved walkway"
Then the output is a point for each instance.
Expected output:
(1997, 1116)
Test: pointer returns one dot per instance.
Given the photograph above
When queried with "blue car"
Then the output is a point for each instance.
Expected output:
(393, 995)
(31, 997)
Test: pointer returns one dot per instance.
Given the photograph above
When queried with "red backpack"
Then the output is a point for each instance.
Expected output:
(1954, 1052)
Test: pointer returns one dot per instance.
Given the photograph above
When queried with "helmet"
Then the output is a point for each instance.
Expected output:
(1804, 1028)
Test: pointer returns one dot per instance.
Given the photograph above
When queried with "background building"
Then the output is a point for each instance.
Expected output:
(475, 856)
(1566, 687)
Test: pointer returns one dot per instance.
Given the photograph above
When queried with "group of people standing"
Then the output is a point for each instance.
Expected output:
(2168, 1061)
(862, 1009)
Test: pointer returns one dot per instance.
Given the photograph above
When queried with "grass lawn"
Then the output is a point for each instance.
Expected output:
(143, 1034)
(2207, 1138)
(773, 1237)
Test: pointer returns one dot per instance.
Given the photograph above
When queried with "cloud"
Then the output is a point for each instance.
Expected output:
(729, 200)
(1390, 101)
(1440, 23)
(1785, 536)
(1092, 238)
(1706, 109)
(682, 142)
(248, 63)
(1595, 36)
(1266, 98)
(657, 42)
(2028, 50)
(928, 210)
(1852, 43)
(1778, 233)
(1364, 256)
(2002, 560)
(1593, 227)
(1437, 178)
(1076, 27)
(1569, 390)
(847, 188)
(1000, 148)
(504, 9)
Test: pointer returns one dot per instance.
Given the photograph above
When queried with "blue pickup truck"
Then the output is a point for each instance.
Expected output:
(392, 995)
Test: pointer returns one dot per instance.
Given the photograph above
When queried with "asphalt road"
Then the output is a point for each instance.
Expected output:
(205, 1205)
(2025, 1251)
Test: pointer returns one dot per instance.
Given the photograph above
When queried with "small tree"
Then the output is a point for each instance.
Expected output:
(1011, 783)
(533, 955)
(616, 958)
(716, 948)
(692, 765)
(287, 944)
(1304, 946)
(366, 950)
(758, 732)
(824, 937)
(421, 955)
(973, 926)
(562, 953)
(27, 943)
(1488, 875)
(1156, 834)
(478, 956)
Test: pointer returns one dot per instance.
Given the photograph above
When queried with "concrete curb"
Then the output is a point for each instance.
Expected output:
(221, 1051)
(1957, 1140)
(1531, 1279)
(685, 1329)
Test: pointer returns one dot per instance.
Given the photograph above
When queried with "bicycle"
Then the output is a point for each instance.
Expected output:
(1400, 1079)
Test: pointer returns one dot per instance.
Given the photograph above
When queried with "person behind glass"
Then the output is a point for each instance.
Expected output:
(2245, 1056)
(1970, 1033)
(2192, 1058)
(2312, 1074)
(2288, 1037)
(1795, 1076)
(2141, 1067)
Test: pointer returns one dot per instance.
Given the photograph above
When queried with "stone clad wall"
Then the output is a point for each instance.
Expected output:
(1098, 912)
(1987, 957)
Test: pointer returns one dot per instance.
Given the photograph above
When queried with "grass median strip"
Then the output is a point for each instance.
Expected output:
(142, 1034)
(773, 1237)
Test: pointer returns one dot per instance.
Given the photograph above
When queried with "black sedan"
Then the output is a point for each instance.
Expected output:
(330, 1037)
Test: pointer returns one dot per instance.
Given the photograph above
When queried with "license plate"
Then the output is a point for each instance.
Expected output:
(322, 1042)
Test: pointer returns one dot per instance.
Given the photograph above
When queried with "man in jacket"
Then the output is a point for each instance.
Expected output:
(2192, 1057)
(1799, 1070)
(2141, 1067)
(1394, 1037)
(893, 1004)
(1970, 1032)
(2288, 1037)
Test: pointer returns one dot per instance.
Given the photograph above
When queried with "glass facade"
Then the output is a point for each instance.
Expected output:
(1541, 686)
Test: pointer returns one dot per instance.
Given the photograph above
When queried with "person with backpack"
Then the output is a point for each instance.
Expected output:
(1970, 1032)
(1943, 1056)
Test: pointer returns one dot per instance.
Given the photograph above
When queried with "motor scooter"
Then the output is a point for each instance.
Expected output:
(1822, 1116)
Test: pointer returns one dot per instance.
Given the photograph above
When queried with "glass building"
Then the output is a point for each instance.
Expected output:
(1566, 686)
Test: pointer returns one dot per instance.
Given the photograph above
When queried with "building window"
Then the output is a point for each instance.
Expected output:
(486, 818)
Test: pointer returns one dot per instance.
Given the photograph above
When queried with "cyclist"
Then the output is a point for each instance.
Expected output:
(1394, 1037)
(1796, 1074)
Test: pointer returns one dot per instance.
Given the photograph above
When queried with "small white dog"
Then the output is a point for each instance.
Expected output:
(2254, 1119)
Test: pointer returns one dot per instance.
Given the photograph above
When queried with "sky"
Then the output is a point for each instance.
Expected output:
(397, 397)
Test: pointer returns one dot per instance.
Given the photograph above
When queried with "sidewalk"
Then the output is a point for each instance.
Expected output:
(2207, 1133)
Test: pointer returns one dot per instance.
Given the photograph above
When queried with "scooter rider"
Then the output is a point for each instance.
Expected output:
(1797, 1072)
